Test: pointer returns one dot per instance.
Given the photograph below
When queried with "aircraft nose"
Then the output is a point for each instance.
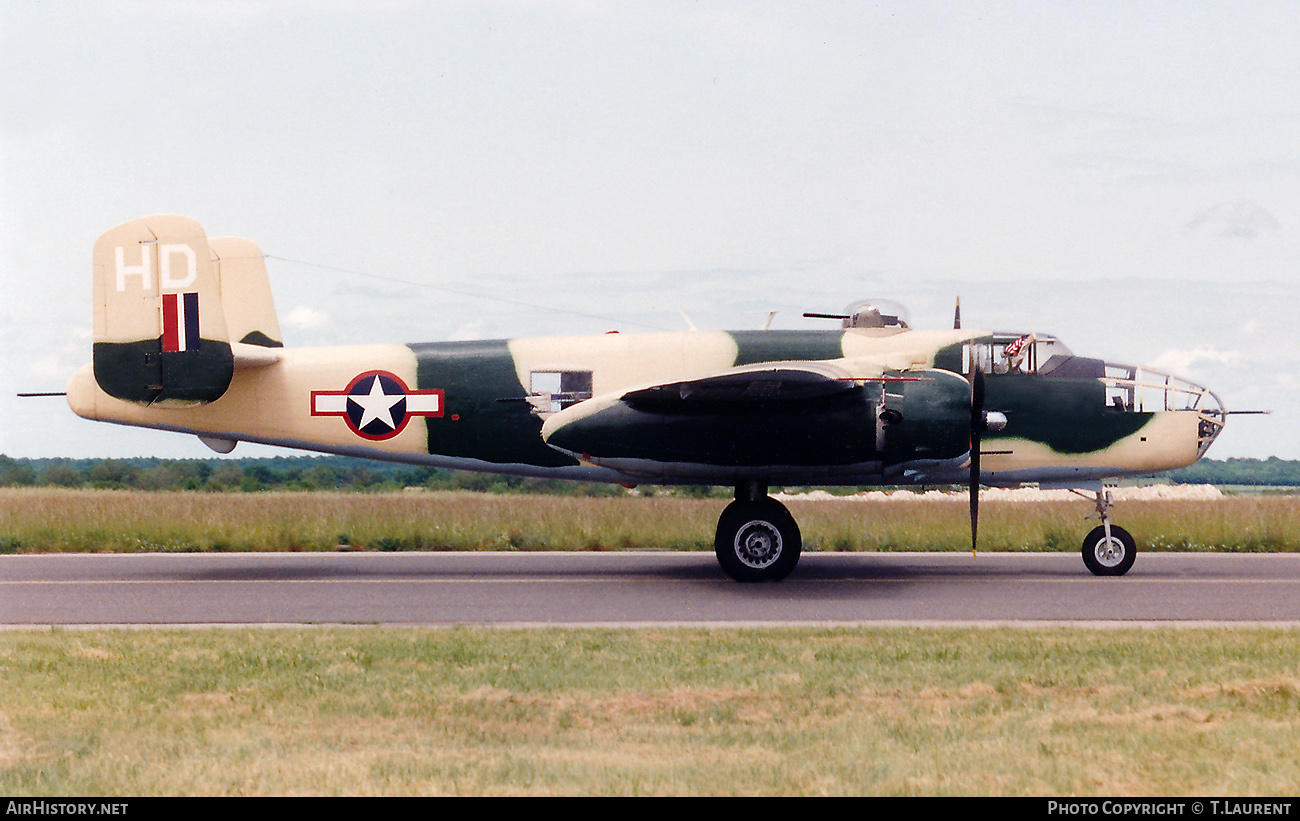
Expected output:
(1210, 426)
(1206, 405)
(1143, 389)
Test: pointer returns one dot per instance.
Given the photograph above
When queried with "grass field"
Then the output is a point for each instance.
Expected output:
(41, 520)
(365, 711)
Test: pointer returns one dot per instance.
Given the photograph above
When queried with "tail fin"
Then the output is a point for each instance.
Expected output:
(160, 327)
(245, 293)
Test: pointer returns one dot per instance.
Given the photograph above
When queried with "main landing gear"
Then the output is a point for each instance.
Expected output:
(758, 540)
(1108, 550)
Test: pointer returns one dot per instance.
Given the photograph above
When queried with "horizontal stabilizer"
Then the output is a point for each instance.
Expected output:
(253, 356)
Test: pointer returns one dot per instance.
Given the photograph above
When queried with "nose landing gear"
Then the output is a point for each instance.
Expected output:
(1108, 550)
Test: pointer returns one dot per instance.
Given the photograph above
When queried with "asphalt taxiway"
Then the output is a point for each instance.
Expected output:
(639, 588)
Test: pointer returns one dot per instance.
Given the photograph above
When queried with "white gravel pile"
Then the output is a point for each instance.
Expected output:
(1024, 494)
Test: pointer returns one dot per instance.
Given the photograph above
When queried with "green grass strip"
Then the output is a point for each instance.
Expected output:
(860, 711)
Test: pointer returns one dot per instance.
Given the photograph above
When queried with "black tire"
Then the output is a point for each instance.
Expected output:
(1113, 558)
(757, 541)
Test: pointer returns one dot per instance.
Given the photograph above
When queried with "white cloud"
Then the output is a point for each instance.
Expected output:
(475, 329)
(305, 318)
(1185, 361)
(1235, 219)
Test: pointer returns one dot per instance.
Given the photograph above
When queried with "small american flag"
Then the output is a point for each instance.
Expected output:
(1015, 347)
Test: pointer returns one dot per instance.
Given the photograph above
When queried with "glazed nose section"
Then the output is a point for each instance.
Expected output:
(1189, 397)
(1146, 390)
(1212, 420)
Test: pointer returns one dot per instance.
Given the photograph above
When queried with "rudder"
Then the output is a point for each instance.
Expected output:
(160, 328)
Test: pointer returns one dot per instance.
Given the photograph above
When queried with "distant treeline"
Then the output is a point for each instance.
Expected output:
(344, 473)
(1257, 472)
(277, 473)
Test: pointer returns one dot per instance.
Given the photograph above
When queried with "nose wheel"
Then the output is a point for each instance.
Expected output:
(1108, 550)
(1109, 554)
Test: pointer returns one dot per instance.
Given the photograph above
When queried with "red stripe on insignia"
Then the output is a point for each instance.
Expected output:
(171, 339)
(180, 315)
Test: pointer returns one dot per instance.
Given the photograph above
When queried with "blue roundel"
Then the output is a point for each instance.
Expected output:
(377, 405)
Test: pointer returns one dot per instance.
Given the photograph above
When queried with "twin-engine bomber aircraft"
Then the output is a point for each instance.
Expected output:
(186, 339)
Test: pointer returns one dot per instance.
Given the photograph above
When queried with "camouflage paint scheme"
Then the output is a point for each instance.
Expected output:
(801, 406)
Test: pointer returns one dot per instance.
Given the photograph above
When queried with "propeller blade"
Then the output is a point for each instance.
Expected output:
(956, 315)
(977, 425)
(974, 492)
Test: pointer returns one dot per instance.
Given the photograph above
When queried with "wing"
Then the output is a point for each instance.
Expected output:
(745, 386)
(799, 417)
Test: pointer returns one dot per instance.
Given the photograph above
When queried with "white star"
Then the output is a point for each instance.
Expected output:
(376, 405)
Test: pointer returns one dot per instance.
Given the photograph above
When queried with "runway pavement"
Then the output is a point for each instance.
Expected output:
(638, 588)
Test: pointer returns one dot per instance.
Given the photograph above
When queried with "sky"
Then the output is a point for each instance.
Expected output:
(1123, 175)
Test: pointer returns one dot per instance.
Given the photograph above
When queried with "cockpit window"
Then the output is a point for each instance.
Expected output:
(1009, 353)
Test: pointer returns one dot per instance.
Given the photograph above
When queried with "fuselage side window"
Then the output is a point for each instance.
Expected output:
(553, 391)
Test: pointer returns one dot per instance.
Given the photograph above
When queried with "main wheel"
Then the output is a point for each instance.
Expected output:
(757, 541)
(1109, 557)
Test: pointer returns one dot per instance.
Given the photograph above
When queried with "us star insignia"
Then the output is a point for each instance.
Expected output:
(376, 404)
